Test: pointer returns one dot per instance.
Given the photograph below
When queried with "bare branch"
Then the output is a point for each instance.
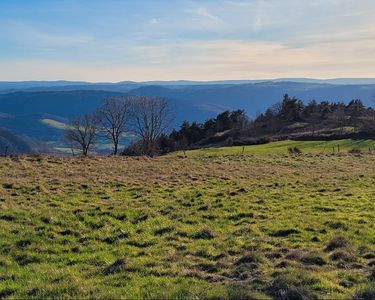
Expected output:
(81, 131)
(152, 117)
(114, 118)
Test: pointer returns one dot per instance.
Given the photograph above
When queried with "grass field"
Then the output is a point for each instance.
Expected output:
(281, 147)
(258, 226)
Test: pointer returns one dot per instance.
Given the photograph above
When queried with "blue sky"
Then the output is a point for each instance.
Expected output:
(141, 40)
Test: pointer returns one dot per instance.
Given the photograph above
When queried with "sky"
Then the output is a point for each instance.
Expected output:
(142, 40)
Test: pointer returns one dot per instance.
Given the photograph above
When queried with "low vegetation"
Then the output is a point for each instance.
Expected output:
(216, 223)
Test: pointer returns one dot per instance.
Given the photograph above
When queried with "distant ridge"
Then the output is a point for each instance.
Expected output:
(9, 86)
(29, 109)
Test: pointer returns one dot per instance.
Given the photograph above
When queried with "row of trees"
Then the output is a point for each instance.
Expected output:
(194, 133)
(150, 118)
(288, 117)
(191, 134)
(317, 115)
(143, 116)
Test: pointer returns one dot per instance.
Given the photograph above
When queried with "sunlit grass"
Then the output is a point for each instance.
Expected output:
(206, 226)
(282, 147)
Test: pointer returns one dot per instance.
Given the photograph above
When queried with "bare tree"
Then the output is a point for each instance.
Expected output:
(152, 116)
(81, 131)
(114, 117)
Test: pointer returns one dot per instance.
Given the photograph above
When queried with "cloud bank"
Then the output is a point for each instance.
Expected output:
(197, 40)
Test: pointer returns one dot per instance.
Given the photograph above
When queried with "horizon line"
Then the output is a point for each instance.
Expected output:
(190, 80)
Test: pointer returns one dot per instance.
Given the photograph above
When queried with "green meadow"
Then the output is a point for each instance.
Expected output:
(323, 147)
(216, 224)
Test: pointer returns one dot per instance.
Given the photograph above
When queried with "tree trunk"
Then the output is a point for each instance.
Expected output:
(115, 149)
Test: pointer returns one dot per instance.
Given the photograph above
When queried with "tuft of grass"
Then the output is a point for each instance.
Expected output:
(342, 255)
(290, 285)
(366, 293)
(338, 241)
(206, 234)
(120, 265)
(313, 259)
(294, 150)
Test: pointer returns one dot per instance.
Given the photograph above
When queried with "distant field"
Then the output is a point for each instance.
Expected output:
(282, 147)
(206, 226)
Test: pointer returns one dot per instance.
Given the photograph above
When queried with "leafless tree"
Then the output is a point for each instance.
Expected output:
(114, 117)
(81, 131)
(152, 116)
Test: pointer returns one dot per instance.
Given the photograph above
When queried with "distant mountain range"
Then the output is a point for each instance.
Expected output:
(6, 86)
(35, 111)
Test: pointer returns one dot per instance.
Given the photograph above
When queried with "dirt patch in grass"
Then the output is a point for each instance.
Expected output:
(284, 232)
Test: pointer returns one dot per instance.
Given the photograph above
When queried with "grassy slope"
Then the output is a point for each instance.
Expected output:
(282, 147)
(203, 226)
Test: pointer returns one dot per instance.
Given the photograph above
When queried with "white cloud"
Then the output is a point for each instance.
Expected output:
(210, 60)
(202, 18)
(203, 12)
(223, 39)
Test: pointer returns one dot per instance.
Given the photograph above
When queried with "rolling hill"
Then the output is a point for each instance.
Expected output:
(23, 110)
